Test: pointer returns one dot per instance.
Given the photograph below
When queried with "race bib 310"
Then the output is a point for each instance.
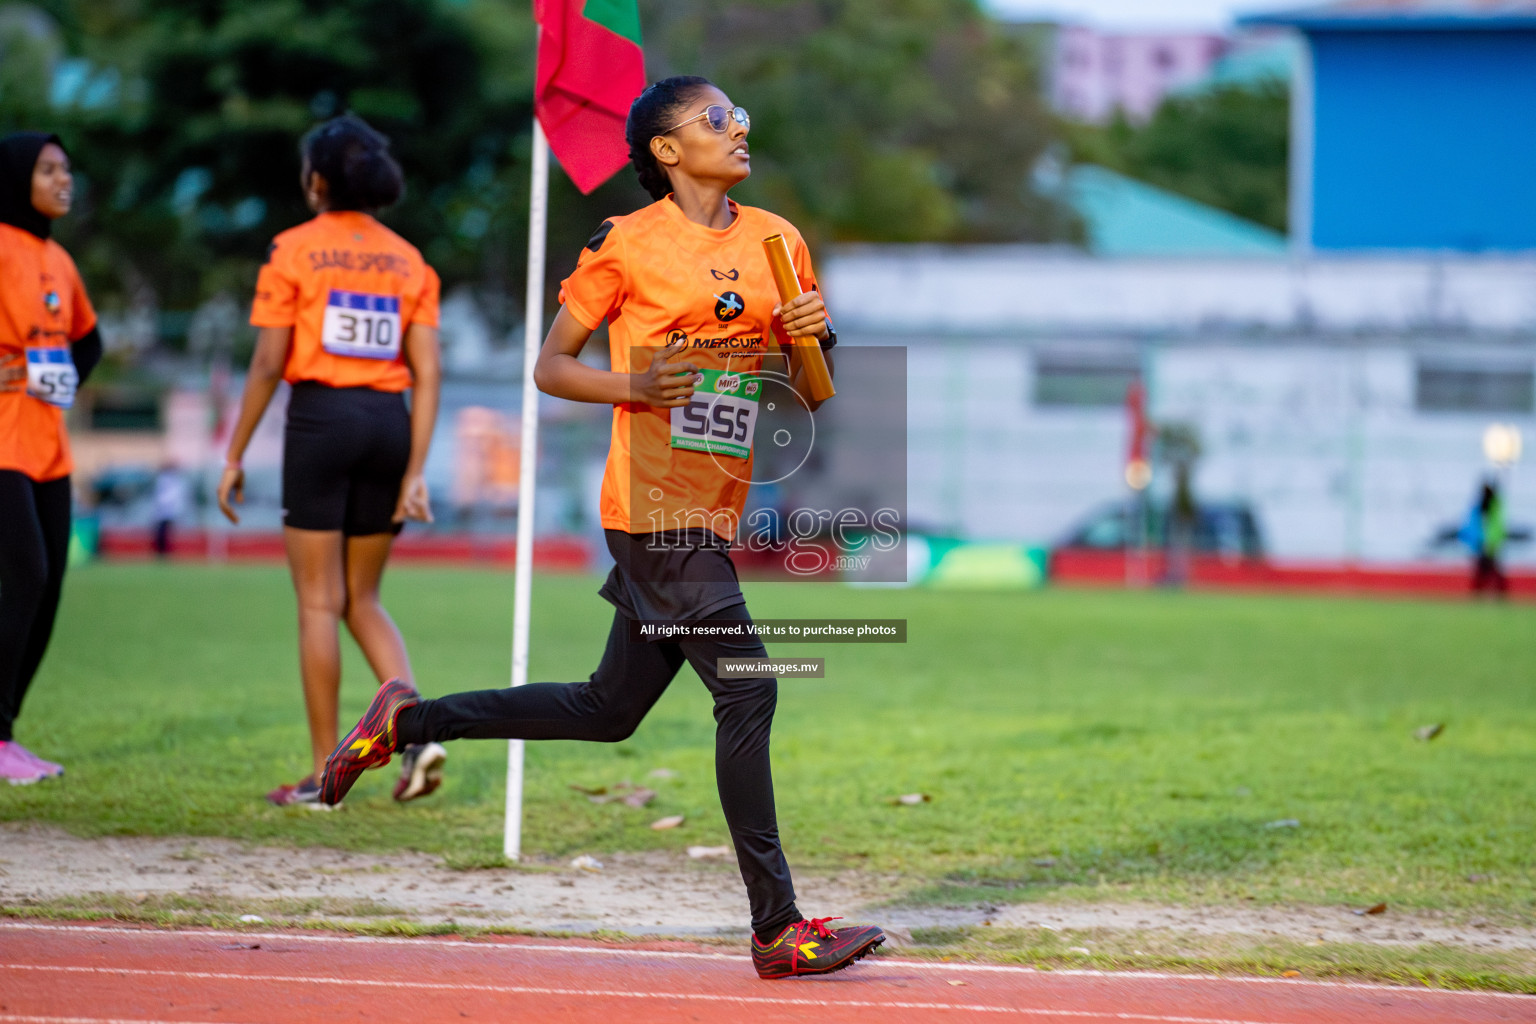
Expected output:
(361, 326)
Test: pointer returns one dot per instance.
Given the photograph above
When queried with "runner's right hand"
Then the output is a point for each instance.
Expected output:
(415, 500)
(232, 481)
(13, 374)
(666, 385)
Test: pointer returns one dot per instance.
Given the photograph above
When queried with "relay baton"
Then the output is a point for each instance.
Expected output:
(816, 373)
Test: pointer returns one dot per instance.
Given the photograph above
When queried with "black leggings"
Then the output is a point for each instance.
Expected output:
(34, 546)
(1488, 574)
(607, 708)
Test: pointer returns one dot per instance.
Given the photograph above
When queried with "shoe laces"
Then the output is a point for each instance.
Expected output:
(818, 927)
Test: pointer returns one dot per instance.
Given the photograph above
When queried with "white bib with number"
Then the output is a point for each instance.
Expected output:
(721, 417)
(361, 326)
(51, 375)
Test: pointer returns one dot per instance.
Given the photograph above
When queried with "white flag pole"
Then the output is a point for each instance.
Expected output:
(533, 332)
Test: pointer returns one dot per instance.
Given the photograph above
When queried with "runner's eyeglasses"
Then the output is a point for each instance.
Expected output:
(719, 118)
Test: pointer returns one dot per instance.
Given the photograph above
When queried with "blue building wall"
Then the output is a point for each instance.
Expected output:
(1424, 139)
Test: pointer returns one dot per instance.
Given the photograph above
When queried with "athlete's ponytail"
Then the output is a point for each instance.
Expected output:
(355, 162)
(652, 113)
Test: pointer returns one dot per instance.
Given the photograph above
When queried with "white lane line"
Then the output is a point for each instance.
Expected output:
(881, 962)
(414, 985)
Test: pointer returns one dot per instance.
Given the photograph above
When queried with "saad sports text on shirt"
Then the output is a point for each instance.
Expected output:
(353, 259)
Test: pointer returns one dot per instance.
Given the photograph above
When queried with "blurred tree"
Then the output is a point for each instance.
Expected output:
(191, 164)
(903, 120)
(31, 44)
(875, 120)
(1228, 147)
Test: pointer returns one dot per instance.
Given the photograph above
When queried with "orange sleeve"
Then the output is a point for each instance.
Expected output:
(426, 312)
(596, 289)
(84, 315)
(277, 292)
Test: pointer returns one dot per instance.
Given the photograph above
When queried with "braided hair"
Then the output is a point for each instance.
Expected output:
(355, 162)
(652, 113)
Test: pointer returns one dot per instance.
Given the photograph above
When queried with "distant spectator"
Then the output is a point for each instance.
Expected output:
(48, 346)
(1183, 522)
(1484, 533)
(1178, 445)
(170, 503)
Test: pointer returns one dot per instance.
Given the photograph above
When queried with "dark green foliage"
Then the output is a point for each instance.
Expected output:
(911, 121)
(1227, 147)
(881, 122)
(189, 164)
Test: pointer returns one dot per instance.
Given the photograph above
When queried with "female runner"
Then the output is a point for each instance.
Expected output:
(689, 266)
(347, 312)
(48, 346)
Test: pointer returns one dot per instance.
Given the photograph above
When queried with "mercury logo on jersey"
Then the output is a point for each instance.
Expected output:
(742, 343)
(728, 306)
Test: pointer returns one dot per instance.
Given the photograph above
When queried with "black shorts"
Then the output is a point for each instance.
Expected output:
(677, 575)
(344, 455)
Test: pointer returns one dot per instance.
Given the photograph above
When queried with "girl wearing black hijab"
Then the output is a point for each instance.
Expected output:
(48, 344)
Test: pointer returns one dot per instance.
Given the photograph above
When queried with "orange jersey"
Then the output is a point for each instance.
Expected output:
(43, 307)
(654, 276)
(349, 287)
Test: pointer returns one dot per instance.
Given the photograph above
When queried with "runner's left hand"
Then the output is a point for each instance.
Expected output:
(415, 500)
(805, 315)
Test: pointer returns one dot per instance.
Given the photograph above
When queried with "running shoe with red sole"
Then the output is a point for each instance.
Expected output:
(370, 744)
(810, 947)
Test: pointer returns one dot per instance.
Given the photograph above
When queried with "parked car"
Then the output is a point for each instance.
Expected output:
(1227, 529)
(119, 487)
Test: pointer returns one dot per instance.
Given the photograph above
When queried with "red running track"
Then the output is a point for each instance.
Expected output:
(84, 974)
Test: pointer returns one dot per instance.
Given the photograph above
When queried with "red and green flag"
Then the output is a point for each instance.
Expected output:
(590, 70)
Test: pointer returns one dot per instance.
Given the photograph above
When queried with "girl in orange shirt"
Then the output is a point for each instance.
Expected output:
(48, 345)
(685, 273)
(347, 315)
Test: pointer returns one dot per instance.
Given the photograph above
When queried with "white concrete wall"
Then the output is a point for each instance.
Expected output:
(1324, 443)
(1028, 289)
(1300, 376)
(984, 463)
(1328, 446)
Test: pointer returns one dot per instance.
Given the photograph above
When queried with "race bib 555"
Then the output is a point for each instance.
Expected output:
(51, 375)
(722, 416)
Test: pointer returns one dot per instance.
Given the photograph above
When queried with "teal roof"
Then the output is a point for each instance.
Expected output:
(1125, 217)
(1255, 66)
(1250, 67)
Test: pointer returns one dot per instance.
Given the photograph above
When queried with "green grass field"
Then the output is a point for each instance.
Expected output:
(1075, 744)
